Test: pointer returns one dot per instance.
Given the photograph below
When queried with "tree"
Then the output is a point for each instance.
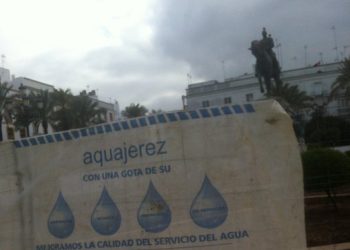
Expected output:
(342, 82)
(293, 101)
(327, 131)
(154, 111)
(42, 108)
(290, 97)
(325, 170)
(134, 110)
(23, 113)
(85, 111)
(62, 115)
(5, 101)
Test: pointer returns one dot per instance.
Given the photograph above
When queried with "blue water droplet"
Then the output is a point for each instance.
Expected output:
(154, 214)
(61, 219)
(105, 218)
(209, 208)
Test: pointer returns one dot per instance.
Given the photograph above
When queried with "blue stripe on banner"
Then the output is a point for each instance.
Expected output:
(133, 123)
(194, 114)
(136, 123)
(108, 128)
(204, 113)
(99, 129)
(226, 110)
(83, 132)
(143, 122)
(33, 141)
(49, 139)
(67, 136)
(161, 118)
(116, 126)
(75, 134)
(152, 120)
(41, 140)
(249, 108)
(238, 109)
(58, 137)
(25, 142)
(215, 111)
(125, 125)
(92, 131)
(171, 117)
(183, 116)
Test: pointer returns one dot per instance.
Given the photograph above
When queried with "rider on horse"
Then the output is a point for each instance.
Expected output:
(267, 65)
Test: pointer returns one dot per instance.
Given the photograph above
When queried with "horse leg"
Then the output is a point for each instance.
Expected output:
(268, 84)
(261, 85)
(278, 82)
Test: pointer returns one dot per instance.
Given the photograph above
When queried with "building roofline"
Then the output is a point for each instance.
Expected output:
(284, 75)
(26, 78)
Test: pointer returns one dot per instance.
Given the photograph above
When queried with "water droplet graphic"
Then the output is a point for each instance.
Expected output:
(154, 214)
(209, 208)
(105, 218)
(61, 220)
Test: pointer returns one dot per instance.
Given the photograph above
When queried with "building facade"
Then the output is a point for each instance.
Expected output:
(315, 81)
(27, 85)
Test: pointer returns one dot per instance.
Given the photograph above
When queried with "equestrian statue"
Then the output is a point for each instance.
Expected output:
(267, 66)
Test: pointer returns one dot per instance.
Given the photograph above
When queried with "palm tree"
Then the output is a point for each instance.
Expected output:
(42, 106)
(342, 82)
(290, 97)
(23, 113)
(5, 100)
(293, 101)
(134, 110)
(62, 115)
(86, 111)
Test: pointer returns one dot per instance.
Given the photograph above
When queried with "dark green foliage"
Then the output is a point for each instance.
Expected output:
(23, 113)
(293, 101)
(5, 102)
(343, 80)
(327, 131)
(290, 97)
(347, 153)
(325, 170)
(62, 116)
(134, 110)
(42, 105)
(86, 112)
(61, 109)
(75, 111)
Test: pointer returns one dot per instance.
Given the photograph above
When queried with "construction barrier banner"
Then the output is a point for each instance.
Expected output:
(216, 178)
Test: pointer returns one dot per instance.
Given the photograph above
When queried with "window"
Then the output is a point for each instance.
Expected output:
(10, 133)
(249, 97)
(110, 116)
(227, 100)
(22, 133)
(205, 104)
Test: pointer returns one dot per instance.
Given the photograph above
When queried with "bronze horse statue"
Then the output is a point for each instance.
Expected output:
(267, 66)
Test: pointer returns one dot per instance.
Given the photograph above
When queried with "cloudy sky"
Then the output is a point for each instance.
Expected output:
(141, 51)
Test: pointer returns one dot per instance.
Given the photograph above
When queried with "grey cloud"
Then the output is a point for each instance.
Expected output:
(205, 32)
(130, 75)
(196, 36)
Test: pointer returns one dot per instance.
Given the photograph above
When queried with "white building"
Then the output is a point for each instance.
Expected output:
(112, 109)
(30, 85)
(21, 84)
(5, 75)
(315, 81)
